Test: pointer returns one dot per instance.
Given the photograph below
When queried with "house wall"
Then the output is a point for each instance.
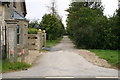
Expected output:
(2, 24)
(23, 45)
(1, 34)
(20, 8)
(11, 40)
(6, 19)
(1, 17)
(1, 20)
(23, 35)
(10, 8)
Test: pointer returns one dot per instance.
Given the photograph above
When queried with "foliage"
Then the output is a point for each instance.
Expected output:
(51, 23)
(34, 24)
(53, 26)
(32, 31)
(89, 28)
(109, 55)
(116, 29)
(6, 66)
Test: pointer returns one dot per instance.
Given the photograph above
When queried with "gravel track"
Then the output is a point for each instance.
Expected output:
(63, 60)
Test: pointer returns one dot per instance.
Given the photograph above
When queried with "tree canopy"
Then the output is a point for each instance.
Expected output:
(89, 28)
(53, 26)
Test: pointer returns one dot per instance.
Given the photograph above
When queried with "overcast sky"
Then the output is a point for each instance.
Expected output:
(37, 8)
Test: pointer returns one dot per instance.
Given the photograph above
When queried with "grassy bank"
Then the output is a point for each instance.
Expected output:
(109, 55)
(7, 67)
(50, 43)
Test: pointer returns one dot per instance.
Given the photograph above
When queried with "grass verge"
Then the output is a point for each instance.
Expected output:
(0, 66)
(111, 56)
(7, 67)
(50, 43)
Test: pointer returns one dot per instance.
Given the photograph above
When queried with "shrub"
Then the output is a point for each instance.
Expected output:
(32, 31)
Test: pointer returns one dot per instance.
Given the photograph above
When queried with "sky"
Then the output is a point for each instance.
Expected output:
(37, 8)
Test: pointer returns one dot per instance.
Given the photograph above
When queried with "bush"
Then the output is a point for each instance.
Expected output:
(32, 31)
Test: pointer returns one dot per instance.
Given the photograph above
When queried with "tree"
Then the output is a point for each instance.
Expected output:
(89, 28)
(34, 24)
(53, 26)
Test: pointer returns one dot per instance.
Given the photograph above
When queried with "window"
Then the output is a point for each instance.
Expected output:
(18, 34)
(14, 4)
(8, 5)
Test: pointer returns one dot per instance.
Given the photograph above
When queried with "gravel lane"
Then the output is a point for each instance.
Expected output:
(63, 60)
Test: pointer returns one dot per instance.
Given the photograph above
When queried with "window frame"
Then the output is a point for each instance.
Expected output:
(14, 4)
(18, 34)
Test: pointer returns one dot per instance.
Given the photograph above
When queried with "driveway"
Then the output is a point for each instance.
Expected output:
(63, 60)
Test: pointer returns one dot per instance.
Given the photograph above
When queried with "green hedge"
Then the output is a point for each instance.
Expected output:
(32, 31)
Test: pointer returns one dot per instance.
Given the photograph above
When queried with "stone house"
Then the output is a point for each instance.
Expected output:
(13, 30)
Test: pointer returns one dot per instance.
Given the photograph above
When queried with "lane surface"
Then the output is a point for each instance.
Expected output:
(63, 60)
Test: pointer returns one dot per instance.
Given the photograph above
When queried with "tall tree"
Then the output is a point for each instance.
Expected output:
(88, 27)
(53, 26)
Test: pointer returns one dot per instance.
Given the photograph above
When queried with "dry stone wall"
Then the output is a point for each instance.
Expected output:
(37, 41)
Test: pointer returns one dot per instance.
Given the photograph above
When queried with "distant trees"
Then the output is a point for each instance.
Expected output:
(118, 27)
(34, 24)
(53, 26)
(52, 23)
(89, 28)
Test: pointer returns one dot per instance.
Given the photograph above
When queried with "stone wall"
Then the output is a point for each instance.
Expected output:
(37, 41)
